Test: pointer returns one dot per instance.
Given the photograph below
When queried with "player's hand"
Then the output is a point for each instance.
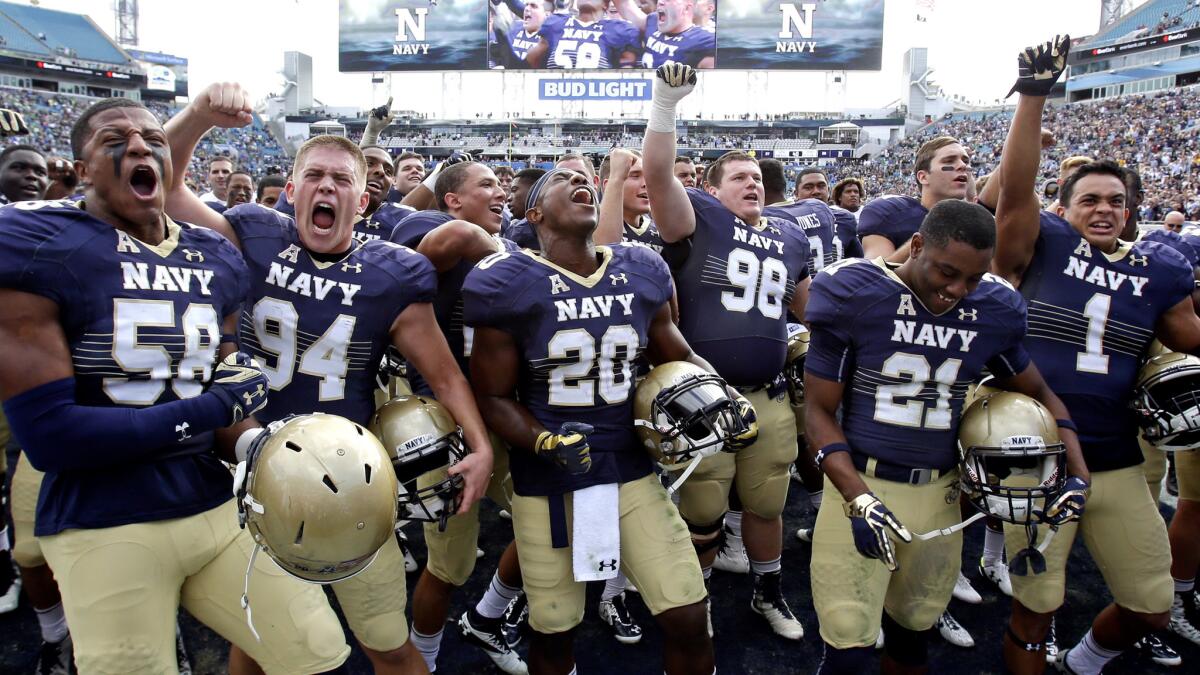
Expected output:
(870, 522)
(476, 471)
(457, 157)
(241, 385)
(619, 162)
(1069, 503)
(12, 123)
(674, 81)
(568, 448)
(746, 432)
(225, 105)
(1049, 140)
(380, 118)
(1040, 66)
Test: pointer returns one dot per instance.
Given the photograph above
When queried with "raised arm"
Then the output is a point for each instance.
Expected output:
(669, 204)
(876, 245)
(377, 121)
(611, 227)
(632, 13)
(416, 334)
(1017, 205)
(450, 243)
(224, 105)
(536, 56)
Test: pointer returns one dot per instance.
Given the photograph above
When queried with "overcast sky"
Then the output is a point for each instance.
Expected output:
(972, 43)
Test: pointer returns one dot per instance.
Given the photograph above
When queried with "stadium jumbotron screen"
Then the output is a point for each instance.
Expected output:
(432, 35)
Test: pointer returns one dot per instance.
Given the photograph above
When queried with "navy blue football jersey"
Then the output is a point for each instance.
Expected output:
(892, 216)
(283, 206)
(579, 339)
(735, 282)
(143, 324)
(412, 228)
(690, 47)
(520, 42)
(1193, 240)
(521, 232)
(845, 228)
(319, 329)
(816, 221)
(645, 232)
(906, 369)
(576, 44)
(381, 223)
(1091, 318)
(1175, 241)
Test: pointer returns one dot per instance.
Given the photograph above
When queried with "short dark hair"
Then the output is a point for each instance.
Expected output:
(83, 126)
(958, 220)
(925, 153)
(4, 155)
(807, 170)
(773, 177)
(223, 158)
(503, 170)
(451, 179)
(242, 173)
(1104, 167)
(684, 159)
(587, 161)
(274, 180)
(531, 174)
(716, 170)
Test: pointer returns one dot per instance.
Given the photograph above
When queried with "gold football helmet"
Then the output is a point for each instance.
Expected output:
(420, 435)
(793, 369)
(682, 411)
(1011, 456)
(1167, 401)
(318, 496)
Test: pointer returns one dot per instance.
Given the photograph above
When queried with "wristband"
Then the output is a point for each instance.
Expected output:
(431, 179)
(830, 449)
(1066, 424)
(662, 118)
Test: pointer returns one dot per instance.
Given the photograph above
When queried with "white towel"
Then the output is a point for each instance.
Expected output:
(596, 533)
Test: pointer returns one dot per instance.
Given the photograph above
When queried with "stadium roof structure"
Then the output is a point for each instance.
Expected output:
(498, 125)
(1142, 21)
(50, 33)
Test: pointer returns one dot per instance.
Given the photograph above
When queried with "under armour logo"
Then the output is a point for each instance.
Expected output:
(182, 430)
(964, 315)
(618, 279)
(1138, 260)
(352, 267)
(251, 395)
(775, 230)
(193, 256)
(610, 564)
(371, 224)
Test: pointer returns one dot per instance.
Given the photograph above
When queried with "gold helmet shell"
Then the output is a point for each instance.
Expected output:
(1166, 400)
(1011, 456)
(793, 369)
(421, 436)
(682, 411)
(320, 497)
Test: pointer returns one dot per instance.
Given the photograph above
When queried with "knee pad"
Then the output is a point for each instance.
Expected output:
(707, 537)
(852, 661)
(906, 647)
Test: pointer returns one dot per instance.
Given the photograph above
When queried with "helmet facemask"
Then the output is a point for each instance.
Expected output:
(694, 418)
(1012, 482)
(1168, 407)
(418, 456)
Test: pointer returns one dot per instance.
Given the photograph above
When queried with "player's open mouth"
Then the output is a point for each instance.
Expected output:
(497, 209)
(583, 196)
(1101, 227)
(662, 16)
(143, 181)
(323, 216)
(374, 186)
(643, 195)
(752, 198)
(945, 298)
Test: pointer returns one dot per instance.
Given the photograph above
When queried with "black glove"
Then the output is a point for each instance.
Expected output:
(12, 123)
(870, 521)
(457, 157)
(1039, 67)
(240, 383)
(568, 448)
(1069, 503)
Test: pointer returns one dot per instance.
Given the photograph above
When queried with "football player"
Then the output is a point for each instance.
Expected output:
(848, 194)
(1096, 303)
(625, 209)
(556, 339)
(671, 34)
(518, 230)
(380, 216)
(454, 239)
(322, 308)
(943, 171)
(585, 41)
(24, 175)
(738, 274)
(112, 320)
(895, 347)
(685, 171)
(525, 37)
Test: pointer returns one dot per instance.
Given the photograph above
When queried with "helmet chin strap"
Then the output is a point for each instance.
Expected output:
(684, 476)
(246, 594)
(947, 531)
